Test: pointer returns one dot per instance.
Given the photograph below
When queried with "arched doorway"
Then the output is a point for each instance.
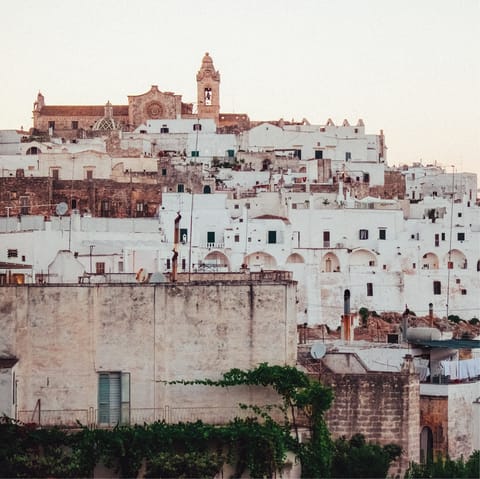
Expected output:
(426, 445)
(215, 261)
(258, 261)
(207, 189)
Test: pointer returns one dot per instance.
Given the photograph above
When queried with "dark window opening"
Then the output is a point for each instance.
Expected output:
(272, 237)
(197, 127)
(164, 172)
(12, 253)
(318, 154)
(180, 188)
(382, 234)
(437, 287)
(461, 236)
(74, 125)
(369, 289)
(363, 234)
(210, 236)
(100, 268)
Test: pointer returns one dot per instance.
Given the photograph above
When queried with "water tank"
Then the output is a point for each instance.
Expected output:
(423, 334)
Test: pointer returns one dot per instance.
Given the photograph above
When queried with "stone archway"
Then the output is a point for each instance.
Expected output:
(260, 260)
(215, 261)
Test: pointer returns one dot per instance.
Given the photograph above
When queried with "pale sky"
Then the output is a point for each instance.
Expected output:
(410, 67)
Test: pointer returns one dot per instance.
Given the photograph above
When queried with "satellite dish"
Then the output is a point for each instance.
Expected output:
(318, 350)
(61, 208)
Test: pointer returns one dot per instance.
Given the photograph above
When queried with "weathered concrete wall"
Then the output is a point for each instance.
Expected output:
(63, 336)
(382, 406)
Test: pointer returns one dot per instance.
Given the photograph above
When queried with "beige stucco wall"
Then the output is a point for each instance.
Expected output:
(64, 335)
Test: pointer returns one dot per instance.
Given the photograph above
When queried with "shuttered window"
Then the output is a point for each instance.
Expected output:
(113, 398)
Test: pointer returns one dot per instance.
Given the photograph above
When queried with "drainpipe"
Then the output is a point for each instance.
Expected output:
(347, 319)
(430, 314)
(176, 241)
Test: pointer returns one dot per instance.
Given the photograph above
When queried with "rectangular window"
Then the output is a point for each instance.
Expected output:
(461, 236)
(464, 292)
(113, 398)
(164, 172)
(51, 124)
(437, 239)
(369, 289)
(237, 238)
(195, 153)
(437, 287)
(210, 236)
(298, 154)
(89, 174)
(180, 188)
(184, 264)
(183, 235)
(443, 236)
(74, 125)
(348, 155)
(99, 268)
(168, 263)
(120, 266)
(164, 129)
(318, 154)
(326, 239)
(272, 237)
(382, 234)
(197, 127)
(363, 234)
(55, 173)
(24, 208)
(12, 253)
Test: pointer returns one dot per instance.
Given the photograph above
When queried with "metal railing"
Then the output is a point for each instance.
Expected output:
(171, 415)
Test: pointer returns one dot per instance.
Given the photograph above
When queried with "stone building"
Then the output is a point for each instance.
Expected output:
(78, 121)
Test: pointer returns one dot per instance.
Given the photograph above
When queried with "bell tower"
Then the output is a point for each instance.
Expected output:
(208, 90)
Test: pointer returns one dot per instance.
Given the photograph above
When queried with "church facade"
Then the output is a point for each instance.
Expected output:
(78, 121)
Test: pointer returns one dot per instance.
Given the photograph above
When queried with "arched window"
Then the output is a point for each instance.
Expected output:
(33, 150)
(207, 189)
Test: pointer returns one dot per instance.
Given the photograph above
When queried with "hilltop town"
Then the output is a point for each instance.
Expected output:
(161, 240)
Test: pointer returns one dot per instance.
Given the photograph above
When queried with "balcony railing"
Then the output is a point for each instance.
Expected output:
(171, 415)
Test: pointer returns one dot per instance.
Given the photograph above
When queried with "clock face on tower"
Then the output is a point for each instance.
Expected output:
(154, 110)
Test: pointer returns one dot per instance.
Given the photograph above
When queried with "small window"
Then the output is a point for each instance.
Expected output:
(459, 214)
(464, 292)
(55, 173)
(326, 239)
(247, 206)
(272, 237)
(120, 266)
(197, 127)
(24, 208)
(369, 289)
(12, 253)
(74, 125)
(180, 188)
(183, 235)
(318, 154)
(51, 124)
(184, 264)
(99, 268)
(437, 239)
(236, 207)
(210, 236)
(382, 234)
(461, 236)
(74, 204)
(168, 263)
(437, 287)
(348, 155)
(443, 236)
(164, 129)
(195, 153)
(164, 172)
(363, 234)
(89, 174)
(237, 238)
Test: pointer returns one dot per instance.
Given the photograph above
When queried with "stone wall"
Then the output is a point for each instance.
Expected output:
(106, 198)
(384, 406)
(63, 336)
